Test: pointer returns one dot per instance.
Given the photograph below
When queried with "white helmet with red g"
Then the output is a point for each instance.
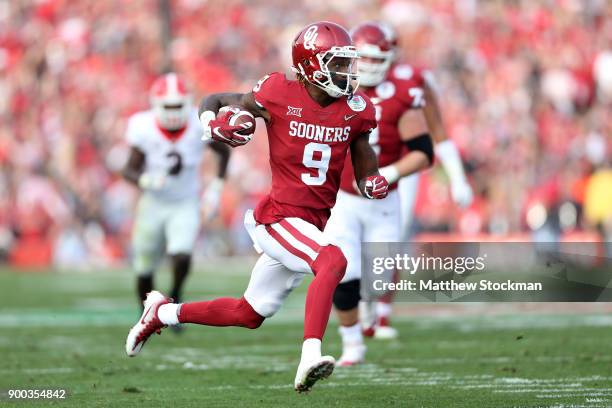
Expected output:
(170, 101)
(377, 43)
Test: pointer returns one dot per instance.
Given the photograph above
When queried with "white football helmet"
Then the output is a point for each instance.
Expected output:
(170, 101)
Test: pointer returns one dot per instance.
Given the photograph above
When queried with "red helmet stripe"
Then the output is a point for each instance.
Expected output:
(159, 87)
(168, 84)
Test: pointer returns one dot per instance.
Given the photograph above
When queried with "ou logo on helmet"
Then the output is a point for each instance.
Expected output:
(310, 36)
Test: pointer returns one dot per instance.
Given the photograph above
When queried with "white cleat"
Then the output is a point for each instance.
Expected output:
(385, 333)
(148, 324)
(308, 373)
(352, 355)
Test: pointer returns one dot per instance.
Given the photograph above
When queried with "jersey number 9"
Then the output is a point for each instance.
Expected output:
(316, 156)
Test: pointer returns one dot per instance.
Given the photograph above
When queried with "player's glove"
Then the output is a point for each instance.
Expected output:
(220, 130)
(462, 193)
(151, 181)
(205, 119)
(375, 187)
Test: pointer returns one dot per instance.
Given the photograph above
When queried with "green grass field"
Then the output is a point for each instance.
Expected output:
(68, 329)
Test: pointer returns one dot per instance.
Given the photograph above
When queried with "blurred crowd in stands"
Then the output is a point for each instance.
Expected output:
(525, 87)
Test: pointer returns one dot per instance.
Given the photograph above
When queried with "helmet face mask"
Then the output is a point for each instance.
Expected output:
(337, 74)
(374, 65)
(170, 102)
(171, 116)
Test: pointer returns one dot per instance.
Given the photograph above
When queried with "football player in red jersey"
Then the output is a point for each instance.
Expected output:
(355, 220)
(311, 124)
(445, 151)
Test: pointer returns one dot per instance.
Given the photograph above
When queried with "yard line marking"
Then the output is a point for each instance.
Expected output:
(53, 370)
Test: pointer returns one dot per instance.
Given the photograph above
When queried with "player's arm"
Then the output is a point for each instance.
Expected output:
(135, 174)
(413, 132)
(365, 164)
(212, 103)
(433, 114)
(218, 127)
(134, 167)
(446, 150)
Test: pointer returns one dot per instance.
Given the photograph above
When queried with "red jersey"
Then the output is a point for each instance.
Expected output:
(308, 146)
(400, 91)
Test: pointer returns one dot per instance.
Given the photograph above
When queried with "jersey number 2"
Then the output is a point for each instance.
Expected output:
(316, 156)
(176, 163)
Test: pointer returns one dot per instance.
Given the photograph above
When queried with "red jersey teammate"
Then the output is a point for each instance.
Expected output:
(311, 124)
(376, 316)
(445, 149)
(355, 220)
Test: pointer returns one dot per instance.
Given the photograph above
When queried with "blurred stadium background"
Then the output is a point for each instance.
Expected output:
(525, 88)
(526, 93)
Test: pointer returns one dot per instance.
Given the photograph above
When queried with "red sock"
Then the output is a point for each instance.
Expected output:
(329, 268)
(221, 312)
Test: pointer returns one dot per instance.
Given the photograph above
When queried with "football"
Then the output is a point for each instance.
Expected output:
(240, 117)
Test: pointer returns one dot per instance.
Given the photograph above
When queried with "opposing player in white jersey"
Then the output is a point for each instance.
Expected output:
(164, 162)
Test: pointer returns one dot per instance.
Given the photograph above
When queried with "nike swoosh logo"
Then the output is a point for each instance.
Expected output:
(145, 315)
(218, 134)
(347, 117)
